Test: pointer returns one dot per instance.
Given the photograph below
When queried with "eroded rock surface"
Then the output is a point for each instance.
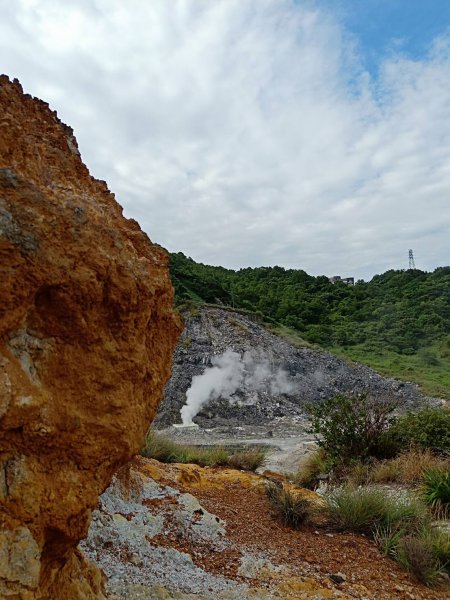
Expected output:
(302, 375)
(86, 337)
(153, 540)
(180, 532)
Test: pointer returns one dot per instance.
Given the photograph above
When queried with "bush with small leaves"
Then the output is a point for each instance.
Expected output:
(352, 427)
(427, 428)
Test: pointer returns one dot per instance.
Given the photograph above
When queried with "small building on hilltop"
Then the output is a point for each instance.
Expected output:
(346, 280)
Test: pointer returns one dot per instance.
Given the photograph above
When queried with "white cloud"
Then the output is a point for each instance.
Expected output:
(245, 132)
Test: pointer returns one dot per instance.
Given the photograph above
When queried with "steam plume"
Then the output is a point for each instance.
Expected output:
(228, 373)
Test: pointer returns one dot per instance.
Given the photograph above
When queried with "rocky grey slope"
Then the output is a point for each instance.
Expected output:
(131, 514)
(277, 378)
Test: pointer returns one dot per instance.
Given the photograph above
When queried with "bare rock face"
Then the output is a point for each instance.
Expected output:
(307, 375)
(86, 337)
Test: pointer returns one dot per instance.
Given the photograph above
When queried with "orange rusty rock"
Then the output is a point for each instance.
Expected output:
(194, 477)
(87, 332)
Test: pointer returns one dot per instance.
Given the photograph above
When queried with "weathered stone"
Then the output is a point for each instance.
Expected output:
(86, 337)
(311, 375)
(19, 561)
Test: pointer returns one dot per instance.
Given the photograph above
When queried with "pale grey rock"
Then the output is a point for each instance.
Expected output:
(312, 375)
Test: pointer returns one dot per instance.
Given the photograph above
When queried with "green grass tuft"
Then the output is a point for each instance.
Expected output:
(365, 509)
(436, 488)
(416, 555)
(248, 460)
(165, 450)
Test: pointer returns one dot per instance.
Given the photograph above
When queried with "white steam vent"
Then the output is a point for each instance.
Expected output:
(228, 373)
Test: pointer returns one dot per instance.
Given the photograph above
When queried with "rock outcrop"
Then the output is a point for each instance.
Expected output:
(283, 377)
(86, 337)
(153, 539)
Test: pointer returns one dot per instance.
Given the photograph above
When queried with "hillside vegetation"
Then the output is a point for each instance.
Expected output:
(398, 323)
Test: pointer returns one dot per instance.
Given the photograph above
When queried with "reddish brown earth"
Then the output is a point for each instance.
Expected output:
(313, 552)
(86, 337)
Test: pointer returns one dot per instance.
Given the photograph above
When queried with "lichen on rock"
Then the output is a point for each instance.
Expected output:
(87, 332)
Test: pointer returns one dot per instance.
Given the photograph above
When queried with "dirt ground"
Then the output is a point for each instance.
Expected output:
(313, 553)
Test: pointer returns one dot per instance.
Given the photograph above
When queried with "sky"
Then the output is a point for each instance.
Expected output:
(300, 133)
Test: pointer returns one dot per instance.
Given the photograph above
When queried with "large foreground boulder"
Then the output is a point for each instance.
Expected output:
(86, 337)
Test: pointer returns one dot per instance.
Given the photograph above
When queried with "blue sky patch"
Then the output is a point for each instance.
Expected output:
(386, 27)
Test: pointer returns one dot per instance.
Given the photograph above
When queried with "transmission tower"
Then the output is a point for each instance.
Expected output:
(412, 264)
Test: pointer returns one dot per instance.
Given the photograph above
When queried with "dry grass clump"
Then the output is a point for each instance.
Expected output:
(357, 473)
(248, 460)
(408, 467)
(314, 464)
(417, 556)
(293, 509)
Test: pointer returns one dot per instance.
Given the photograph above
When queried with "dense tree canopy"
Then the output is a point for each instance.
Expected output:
(402, 311)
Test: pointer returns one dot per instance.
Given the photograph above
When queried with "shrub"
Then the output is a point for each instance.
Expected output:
(428, 429)
(351, 427)
(290, 507)
(436, 488)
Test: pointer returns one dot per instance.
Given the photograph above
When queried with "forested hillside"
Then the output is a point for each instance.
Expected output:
(399, 322)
